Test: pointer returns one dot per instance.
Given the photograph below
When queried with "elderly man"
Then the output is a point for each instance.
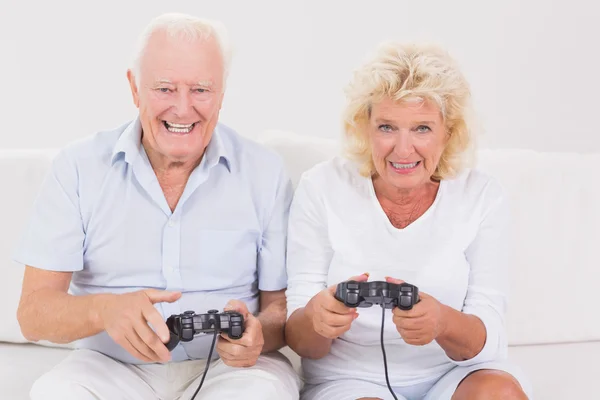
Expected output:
(170, 212)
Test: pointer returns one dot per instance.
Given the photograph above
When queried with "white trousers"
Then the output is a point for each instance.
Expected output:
(437, 389)
(89, 375)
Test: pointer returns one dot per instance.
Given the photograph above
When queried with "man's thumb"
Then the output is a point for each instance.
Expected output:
(159, 296)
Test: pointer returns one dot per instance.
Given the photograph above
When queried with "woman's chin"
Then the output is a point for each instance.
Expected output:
(404, 182)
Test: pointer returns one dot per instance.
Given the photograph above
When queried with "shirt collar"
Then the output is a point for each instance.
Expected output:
(218, 150)
(129, 144)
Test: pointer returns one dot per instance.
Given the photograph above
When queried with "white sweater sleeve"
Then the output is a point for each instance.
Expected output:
(487, 292)
(308, 250)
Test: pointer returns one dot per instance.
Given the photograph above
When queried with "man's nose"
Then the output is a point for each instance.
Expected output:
(183, 104)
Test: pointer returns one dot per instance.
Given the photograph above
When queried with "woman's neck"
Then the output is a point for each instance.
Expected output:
(404, 206)
(403, 197)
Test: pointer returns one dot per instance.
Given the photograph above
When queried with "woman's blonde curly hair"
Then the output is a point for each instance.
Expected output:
(411, 71)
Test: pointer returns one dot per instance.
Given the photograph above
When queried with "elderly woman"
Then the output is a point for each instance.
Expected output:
(404, 206)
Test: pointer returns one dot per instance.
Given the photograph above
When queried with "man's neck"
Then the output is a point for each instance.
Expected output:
(172, 175)
(171, 171)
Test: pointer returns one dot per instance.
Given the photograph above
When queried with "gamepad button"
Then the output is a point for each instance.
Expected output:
(405, 301)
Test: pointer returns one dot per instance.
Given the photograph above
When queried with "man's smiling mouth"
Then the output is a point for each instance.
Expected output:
(179, 128)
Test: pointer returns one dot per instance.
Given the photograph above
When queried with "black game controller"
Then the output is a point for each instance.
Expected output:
(184, 327)
(388, 295)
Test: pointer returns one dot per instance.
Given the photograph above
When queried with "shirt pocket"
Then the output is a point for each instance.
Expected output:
(221, 260)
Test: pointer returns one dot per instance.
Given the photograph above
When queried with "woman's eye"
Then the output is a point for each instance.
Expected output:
(385, 128)
(423, 128)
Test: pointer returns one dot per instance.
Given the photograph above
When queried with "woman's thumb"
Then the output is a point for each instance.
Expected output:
(394, 280)
(360, 278)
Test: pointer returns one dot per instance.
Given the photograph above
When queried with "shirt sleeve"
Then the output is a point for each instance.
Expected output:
(487, 292)
(309, 249)
(272, 253)
(53, 237)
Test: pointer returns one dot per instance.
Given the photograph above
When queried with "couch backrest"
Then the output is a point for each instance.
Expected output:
(556, 207)
(21, 174)
(555, 203)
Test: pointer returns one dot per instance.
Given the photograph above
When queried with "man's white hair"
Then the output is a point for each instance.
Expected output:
(187, 27)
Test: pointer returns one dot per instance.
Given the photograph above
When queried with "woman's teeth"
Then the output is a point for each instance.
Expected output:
(179, 128)
(405, 166)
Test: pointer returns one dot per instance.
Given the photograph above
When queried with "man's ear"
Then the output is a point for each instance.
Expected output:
(221, 100)
(134, 89)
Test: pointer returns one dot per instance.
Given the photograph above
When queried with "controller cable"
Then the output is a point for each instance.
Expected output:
(212, 346)
(387, 379)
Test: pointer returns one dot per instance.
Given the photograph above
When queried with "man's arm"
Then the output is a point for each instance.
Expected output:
(272, 317)
(47, 312)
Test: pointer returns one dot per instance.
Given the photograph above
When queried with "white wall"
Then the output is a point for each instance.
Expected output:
(534, 65)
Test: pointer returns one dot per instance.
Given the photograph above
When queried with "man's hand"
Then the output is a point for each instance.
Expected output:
(243, 352)
(423, 323)
(125, 318)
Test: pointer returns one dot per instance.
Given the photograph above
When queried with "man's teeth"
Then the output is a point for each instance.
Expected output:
(404, 166)
(179, 128)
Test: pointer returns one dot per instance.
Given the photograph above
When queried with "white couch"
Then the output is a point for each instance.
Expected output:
(553, 322)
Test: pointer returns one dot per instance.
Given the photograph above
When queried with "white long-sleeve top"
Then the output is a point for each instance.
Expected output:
(456, 251)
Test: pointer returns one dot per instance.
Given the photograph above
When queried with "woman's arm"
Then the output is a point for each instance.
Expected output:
(308, 256)
(302, 338)
(463, 336)
(478, 333)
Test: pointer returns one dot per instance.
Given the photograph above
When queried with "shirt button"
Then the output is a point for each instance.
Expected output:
(171, 223)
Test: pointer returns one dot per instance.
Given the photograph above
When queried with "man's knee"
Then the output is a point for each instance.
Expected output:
(272, 377)
(53, 386)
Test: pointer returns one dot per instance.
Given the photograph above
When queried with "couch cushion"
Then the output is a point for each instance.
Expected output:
(565, 371)
(560, 371)
(22, 364)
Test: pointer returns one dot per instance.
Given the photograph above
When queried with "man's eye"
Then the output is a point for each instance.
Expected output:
(164, 90)
(201, 90)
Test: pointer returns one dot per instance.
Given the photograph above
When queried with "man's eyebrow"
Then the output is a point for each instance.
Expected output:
(159, 81)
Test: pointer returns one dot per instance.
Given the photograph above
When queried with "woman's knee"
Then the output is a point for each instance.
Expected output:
(489, 384)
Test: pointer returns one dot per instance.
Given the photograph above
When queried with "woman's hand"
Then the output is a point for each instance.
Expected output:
(423, 323)
(330, 318)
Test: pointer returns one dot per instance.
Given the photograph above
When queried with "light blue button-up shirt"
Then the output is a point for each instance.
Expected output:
(102, 215)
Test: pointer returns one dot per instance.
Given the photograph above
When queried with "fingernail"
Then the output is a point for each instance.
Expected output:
(366, 273)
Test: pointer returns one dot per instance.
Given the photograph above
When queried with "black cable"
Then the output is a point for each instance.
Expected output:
(387, 379)
(212, 346)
